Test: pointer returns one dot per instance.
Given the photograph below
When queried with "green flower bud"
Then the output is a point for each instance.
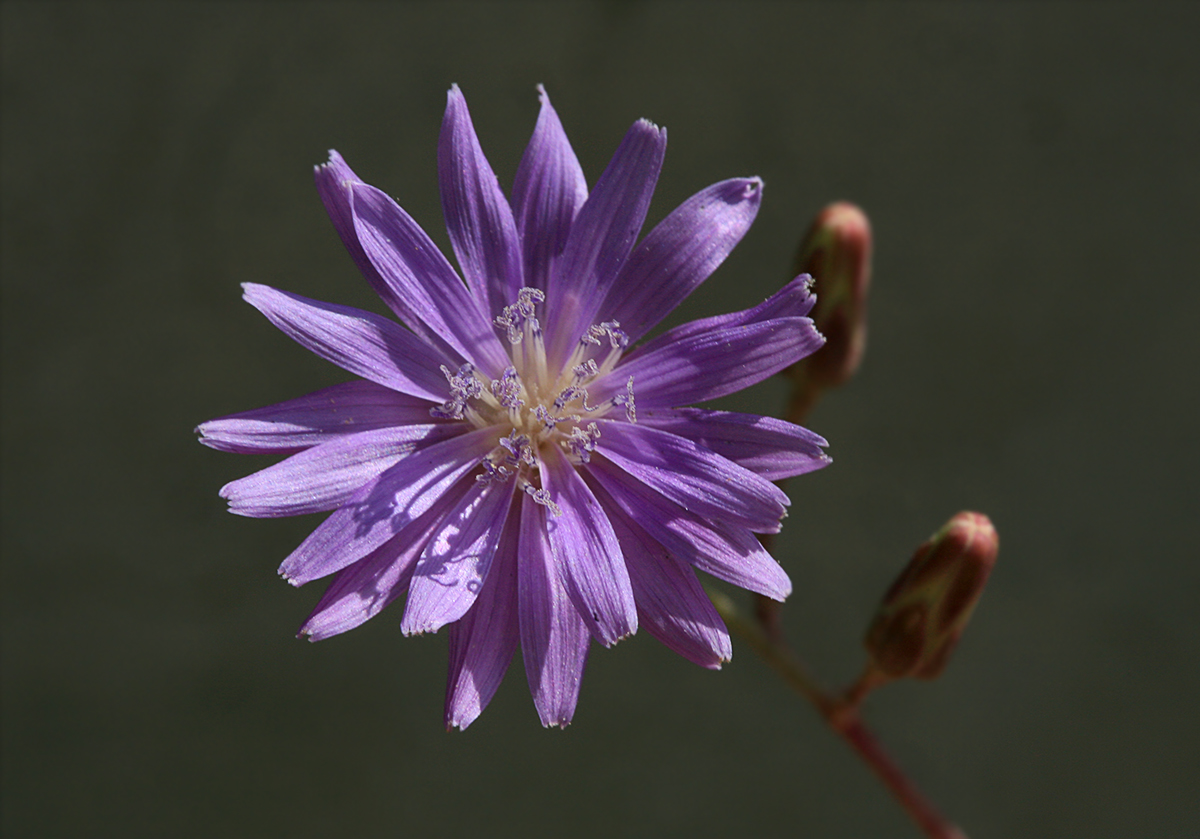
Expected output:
(837, 253)
(926, 609)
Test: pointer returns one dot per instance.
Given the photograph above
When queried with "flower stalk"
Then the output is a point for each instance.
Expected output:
(926, 609)
(841, 713)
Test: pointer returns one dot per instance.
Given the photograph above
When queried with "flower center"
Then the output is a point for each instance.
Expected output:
(532, 406)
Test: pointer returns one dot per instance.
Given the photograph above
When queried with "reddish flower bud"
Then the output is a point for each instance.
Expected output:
(926, 609)
(837, 253)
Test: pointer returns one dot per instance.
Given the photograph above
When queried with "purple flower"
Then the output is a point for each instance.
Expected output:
(507, 460)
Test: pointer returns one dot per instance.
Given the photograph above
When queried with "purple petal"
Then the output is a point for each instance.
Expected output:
(794, 300)
(334, 181)
(455, 563)
(328, 475)
(482, 643)
(680, 253)
(412, 264)
(478, 217)
(692, 476)
(601, 237)
(710, 364)
(728, 552)
(554, 638)
(385, 506)
(299, 424)
(360, 592)
(769, 447)
(548, 191)
(587, 552)
(366, 344)
(672, 605)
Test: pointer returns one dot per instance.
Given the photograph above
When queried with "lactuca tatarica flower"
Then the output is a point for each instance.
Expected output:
(507, 458)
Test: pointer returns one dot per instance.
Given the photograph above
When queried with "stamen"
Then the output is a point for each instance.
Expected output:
(626, 400)
(508, 388)
(617, 339)
(463, 386)
(585, 370)
(583, 443)
(542, 497)
(519, 448)
(569, 395)
(543, 415)
(521, 314)
(610, 329)
(492, 472)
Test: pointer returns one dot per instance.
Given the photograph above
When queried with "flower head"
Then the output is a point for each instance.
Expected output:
(507, 458)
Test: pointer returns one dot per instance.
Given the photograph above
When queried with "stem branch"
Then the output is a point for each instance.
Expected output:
(841, 713)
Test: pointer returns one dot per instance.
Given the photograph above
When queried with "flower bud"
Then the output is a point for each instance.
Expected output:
(837, 254)
(926, 609)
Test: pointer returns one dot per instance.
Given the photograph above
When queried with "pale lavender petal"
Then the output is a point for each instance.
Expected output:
(672, 605)
(768, 447)
(692, 476)
(299, 424)
(587, 552)
(366, 344)
(680, 253)
(363, 590)
(385, 506)
(478, 217)
(601, 237)
(554, 638)
(455, 563)
(710, 364)
(334, 182)
(548, 191)
(482, 643)
(328, 475)
(728, 552)
(412, 264)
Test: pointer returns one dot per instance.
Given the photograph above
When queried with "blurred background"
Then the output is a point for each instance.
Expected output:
(1031, 172)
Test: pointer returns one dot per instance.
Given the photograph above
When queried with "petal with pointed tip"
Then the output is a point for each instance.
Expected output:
(403, 254)
(328, 475)
(710, 364)
(482, 643)
(672, 605)
(455, 563)
(587, 552)
(299, 424)
(478, 217)
(554, 638)
(602, 235)
(364, 343)
(692, 476)
(548, 191)
(680, 253)
(769, 447)
(728, 552)
(385, 506)
(334, 182)
(361, 591)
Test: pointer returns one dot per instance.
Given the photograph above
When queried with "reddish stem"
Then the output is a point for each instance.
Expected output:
(850, 726)
(842, 715)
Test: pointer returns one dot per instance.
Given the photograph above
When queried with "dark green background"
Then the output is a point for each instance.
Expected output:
(1031, 171)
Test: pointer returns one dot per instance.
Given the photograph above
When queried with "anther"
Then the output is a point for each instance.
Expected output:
(463, 386)
(521, 314)
(507, 389)
(542, 497)
(626, 400)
